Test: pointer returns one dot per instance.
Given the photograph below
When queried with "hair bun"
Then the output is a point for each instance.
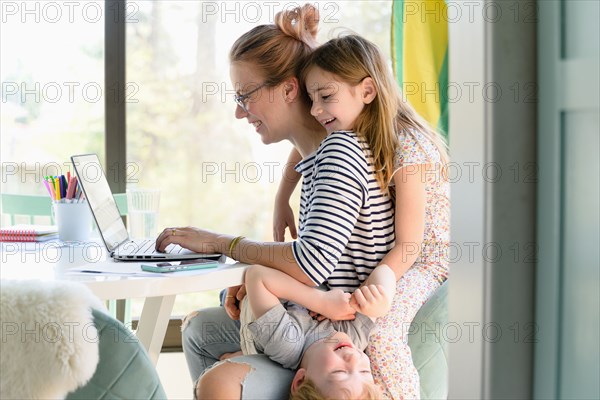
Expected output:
(301, 23)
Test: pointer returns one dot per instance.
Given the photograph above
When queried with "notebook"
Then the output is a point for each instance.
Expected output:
(28, 233)
(108, 219)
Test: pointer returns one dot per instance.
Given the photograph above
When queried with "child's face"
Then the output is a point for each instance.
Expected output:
(335, 104)
(334, 364)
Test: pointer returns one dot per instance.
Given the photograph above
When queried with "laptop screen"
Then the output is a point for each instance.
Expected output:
(100, 198)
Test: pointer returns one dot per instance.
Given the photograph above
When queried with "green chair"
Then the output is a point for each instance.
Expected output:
(121, 200)
(25, 205)
(32, 206)
(428, 345)
(124, 370)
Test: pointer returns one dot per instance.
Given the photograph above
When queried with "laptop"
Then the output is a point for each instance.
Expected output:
(108, 219)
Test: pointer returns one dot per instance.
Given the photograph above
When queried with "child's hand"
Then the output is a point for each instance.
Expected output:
(283, 217)
(371, 300)
(336, 305)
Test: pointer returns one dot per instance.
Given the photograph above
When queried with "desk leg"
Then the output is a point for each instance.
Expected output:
(153, 324)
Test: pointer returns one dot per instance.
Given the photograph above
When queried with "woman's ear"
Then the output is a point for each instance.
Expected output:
(291, 89)
(298, 379)
(369, 91)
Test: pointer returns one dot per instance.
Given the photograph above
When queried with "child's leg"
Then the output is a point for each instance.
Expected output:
(391, 359)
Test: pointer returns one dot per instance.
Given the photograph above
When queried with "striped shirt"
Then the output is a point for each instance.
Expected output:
(346, 222)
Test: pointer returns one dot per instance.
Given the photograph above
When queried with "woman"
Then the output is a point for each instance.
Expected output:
(346, 220)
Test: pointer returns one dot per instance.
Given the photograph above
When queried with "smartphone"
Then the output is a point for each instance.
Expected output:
(174, 267)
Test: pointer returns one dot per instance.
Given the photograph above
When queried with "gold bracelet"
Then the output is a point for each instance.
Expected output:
(234, 243)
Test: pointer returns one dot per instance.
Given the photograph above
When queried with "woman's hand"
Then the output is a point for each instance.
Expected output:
(283, 217)
(233, 298)
(371, 300)
(336, 305)
(194, 239)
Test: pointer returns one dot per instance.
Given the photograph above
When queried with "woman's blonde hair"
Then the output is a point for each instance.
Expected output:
(309, 391)
(352, 59)
(279, 49)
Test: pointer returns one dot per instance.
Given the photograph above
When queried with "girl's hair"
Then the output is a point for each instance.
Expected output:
(279, 49)
(309, 391)
(352, 59)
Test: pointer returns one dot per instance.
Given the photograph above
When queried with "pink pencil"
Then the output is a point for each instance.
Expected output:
(71, 187)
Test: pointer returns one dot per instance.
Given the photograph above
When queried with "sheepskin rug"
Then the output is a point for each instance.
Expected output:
(49, 344)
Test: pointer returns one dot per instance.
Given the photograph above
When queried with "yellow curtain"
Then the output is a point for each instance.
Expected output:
(420, 56)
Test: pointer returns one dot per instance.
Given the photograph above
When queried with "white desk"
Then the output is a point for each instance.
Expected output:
(50, 261)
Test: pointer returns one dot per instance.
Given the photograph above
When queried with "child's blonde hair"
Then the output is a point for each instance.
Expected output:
(352, 59)
(309, 391)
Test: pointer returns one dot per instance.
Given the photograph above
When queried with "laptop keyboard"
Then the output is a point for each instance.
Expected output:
(146, 247)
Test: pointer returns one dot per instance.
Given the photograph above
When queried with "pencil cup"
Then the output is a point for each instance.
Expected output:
(74, 221)
(142, 213)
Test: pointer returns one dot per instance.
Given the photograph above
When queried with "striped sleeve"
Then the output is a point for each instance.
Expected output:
(338, 192)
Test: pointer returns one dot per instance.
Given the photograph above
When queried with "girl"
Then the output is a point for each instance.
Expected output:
(409, 155)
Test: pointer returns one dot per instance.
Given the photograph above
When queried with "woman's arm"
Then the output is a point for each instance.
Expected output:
(274, 255)
(283, 216)
(409, 219)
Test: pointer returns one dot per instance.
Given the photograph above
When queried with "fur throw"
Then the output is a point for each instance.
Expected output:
(49, 344)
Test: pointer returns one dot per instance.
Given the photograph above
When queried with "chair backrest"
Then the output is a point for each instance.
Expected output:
(26, 205)
(121, 200)
(124, 370)
(30, 205)
(429, 345)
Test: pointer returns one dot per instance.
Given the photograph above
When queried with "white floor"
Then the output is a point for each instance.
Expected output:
(174, 376)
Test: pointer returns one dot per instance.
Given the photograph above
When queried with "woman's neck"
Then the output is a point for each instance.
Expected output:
(307, 134)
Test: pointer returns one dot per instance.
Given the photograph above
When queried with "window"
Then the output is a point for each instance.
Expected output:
(52, 74)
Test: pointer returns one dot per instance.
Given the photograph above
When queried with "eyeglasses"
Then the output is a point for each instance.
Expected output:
(241, 99)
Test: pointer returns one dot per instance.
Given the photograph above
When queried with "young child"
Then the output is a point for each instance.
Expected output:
(352, 88)
(329, 353)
